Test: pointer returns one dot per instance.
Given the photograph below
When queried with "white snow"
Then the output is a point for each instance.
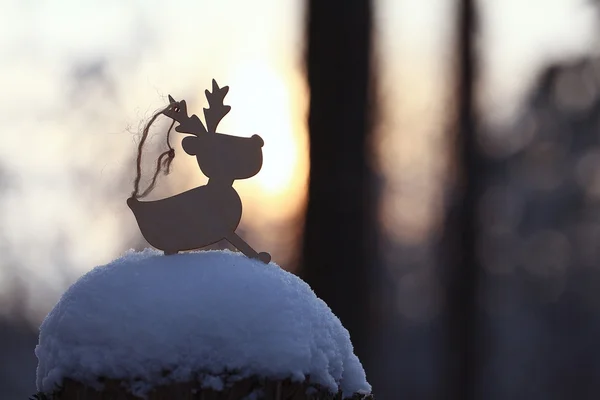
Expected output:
(207, 311)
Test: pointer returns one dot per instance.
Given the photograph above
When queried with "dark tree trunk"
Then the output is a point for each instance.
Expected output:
(461, 372)
(338, 238)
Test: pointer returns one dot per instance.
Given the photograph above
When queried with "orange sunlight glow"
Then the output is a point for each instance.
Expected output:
(263, 102)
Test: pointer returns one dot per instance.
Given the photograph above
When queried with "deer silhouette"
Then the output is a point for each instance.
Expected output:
(206, 214)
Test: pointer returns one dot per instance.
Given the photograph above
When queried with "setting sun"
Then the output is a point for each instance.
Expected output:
(262, 106)
(262, 99)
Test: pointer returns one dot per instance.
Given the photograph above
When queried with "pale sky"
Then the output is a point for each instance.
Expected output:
(75, 75)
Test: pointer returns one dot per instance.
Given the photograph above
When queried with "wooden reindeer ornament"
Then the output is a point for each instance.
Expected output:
(206, 214)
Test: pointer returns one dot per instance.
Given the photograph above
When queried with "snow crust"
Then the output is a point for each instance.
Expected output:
(210, 311)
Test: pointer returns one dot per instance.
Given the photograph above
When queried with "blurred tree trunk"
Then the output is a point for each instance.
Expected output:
(339, 229)
(461, 372)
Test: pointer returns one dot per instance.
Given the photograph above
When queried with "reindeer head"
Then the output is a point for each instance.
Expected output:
(219, 156)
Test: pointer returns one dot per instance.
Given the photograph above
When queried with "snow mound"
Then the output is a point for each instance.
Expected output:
(212, 311)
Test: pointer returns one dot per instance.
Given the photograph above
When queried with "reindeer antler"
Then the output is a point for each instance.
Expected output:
(216, 109)
(177, 110)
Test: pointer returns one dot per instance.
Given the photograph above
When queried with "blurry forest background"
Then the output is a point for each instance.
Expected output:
(431, 168)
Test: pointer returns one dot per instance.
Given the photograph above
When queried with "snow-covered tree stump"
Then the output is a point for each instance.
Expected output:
(203, 325)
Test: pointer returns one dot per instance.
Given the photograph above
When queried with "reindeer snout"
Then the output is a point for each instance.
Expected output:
(258, 139)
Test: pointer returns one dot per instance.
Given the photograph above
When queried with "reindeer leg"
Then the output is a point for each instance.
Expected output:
(245, 248)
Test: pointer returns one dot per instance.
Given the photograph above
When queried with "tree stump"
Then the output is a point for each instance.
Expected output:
(210, 325)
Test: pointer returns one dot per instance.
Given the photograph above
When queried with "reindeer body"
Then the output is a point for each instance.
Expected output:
(172, 226)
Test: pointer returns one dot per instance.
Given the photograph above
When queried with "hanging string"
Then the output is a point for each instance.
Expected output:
(163, 163)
